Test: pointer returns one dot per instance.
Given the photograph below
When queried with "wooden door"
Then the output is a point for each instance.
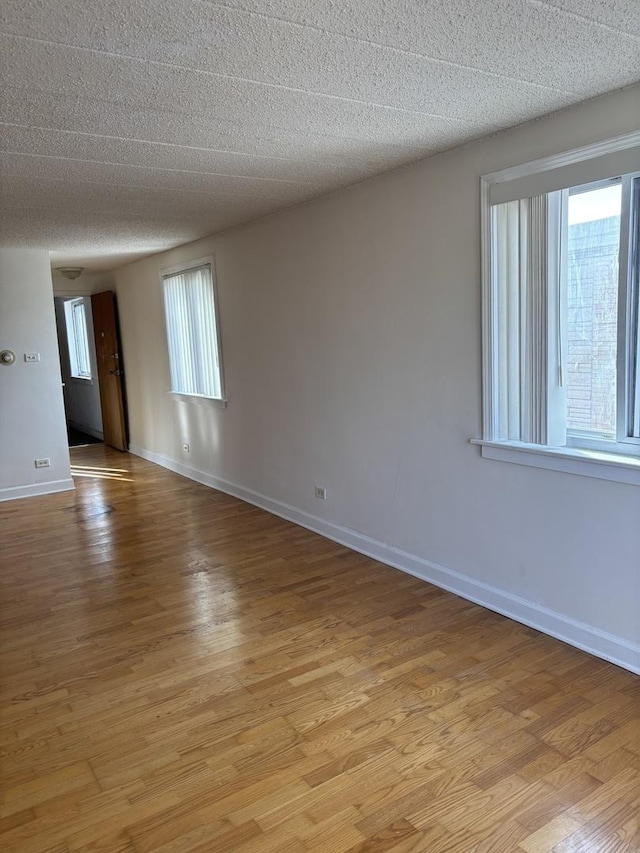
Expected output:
(110, 372)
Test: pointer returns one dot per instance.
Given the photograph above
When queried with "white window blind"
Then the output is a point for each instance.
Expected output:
(527, 274)
(192, 333)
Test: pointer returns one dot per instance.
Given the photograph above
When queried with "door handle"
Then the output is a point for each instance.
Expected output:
(116, 372)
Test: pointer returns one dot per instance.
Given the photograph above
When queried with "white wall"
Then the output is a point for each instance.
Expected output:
(31, 407)
(86, 283)
(81, 396)
(351, 341)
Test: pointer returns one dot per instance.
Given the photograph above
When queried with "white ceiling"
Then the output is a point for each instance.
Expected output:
(131, 126)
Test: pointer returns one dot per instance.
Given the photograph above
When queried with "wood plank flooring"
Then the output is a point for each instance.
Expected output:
(184, 672)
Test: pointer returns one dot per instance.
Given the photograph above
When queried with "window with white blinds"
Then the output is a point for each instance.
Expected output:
(77, 338)
(562, 306)
(192, 332)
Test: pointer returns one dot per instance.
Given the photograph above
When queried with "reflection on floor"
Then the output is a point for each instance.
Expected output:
(79, 439)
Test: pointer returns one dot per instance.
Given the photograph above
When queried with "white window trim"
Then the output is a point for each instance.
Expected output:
(571, 460)
(582, 461)
(183, 396)
(199, 399)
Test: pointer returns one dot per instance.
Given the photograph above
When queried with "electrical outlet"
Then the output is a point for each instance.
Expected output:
(319, 492)
(185, 447)
(42, 463)
(32, 356)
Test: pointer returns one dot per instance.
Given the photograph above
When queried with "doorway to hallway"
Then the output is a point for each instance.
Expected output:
(91, 369)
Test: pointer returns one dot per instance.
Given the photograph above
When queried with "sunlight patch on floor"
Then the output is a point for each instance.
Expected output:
(97, 473)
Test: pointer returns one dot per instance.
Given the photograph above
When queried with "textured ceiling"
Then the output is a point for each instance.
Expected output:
(130, 127)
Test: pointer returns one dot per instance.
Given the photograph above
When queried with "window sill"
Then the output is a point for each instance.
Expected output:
(570, 460)
(81, 380)
(199, 400)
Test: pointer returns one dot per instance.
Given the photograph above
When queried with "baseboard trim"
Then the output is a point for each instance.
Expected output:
(87, 429)
(32, 491)
(614, 649)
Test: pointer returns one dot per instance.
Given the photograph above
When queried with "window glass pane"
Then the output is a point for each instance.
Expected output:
(81, 339)
(592, 306)
(77, 339)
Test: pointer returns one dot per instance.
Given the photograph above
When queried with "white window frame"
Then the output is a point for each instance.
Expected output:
(175, 392)
(593, 459)
(78, 340)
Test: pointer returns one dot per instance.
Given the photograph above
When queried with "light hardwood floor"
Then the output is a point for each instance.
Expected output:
(184, 672)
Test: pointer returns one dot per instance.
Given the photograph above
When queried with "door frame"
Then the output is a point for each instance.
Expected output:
(87, 293)
(66, 379)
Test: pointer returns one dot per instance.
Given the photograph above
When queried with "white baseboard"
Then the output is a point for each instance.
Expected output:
(36, 489)
(89, 430)
(599, 643)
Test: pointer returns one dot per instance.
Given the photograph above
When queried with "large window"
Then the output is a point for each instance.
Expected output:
(77, 338)
(561, 307)
(192, 331)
